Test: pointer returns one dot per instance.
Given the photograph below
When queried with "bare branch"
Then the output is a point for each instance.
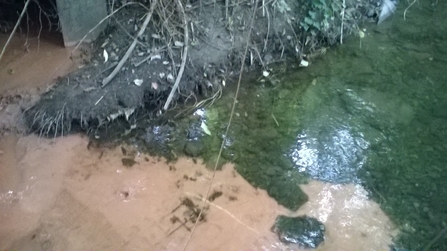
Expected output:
(131, 48)
(185, 54)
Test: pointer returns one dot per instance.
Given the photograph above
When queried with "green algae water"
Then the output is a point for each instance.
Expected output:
(372, 112)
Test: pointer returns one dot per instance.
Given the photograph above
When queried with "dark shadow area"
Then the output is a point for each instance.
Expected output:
(40, 21)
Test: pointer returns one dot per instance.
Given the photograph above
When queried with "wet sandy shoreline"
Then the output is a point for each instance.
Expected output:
(57, 194)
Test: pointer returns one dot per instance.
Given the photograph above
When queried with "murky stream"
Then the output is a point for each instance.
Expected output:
(378, 117)
(372, 112)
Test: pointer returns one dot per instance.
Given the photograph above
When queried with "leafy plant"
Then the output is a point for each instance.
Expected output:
(321, 17)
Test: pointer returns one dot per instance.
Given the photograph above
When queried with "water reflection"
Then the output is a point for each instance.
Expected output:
(332, 156)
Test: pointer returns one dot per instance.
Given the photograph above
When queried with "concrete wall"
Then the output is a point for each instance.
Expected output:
(78, 17)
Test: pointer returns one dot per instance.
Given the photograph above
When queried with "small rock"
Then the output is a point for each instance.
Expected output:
(127, 162)
(193, 148)
(305, 231)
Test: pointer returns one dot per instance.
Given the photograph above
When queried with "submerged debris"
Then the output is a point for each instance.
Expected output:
(305, 231)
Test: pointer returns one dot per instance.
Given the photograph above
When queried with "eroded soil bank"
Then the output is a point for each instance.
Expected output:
(65, 194)
(198, 45)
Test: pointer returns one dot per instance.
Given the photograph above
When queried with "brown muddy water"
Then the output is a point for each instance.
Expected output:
(64, 194)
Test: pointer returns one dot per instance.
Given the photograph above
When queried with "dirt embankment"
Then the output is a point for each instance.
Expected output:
(207, 39)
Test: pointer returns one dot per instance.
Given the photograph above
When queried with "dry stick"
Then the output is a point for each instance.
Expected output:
(405, 12)
(131, 48)
(268, 31)
(342, 21)
(185, 54)
(436, 239)
(225, 211)
(226, 9)
(228, 126)
(14, 30)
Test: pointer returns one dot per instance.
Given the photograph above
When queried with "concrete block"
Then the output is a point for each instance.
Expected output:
(78, 17)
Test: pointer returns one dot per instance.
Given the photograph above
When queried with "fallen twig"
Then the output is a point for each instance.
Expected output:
(223, 210)
(15, 28)
(342, 21)
(436, 239)
(184, 56)
(409, 6)
(132, 46)
(268, 30)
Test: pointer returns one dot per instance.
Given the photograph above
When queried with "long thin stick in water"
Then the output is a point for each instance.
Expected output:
(228, 126)
(436, 239)
(14, 30)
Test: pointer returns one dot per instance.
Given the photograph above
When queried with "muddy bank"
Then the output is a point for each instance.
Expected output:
(208, 40)
(58, 194)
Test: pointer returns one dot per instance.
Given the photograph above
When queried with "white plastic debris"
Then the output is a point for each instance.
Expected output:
(157, 56)
(128, 112)
(138, 82)
(265, 73)
(361, 34)
(205, 128)
(386, 9)
(106, 56)
(170, 78)
(178, 44)
(304, 63)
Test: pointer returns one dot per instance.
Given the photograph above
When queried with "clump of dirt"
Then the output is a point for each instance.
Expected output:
(11, 105)
(208, 39)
